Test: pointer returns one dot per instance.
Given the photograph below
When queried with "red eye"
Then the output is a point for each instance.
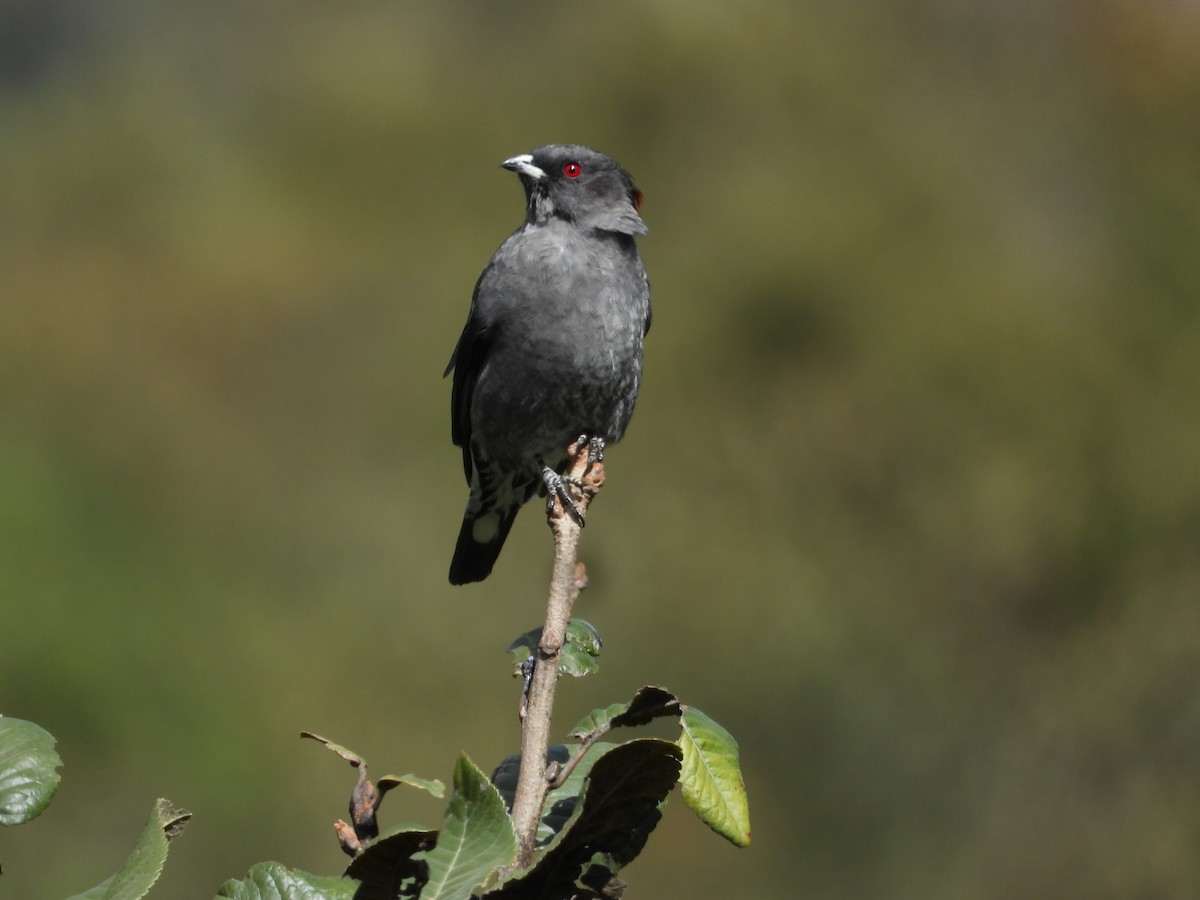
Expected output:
(572, 170)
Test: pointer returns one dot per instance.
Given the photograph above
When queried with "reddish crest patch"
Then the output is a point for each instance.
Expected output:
(637, 198)
(572, 170)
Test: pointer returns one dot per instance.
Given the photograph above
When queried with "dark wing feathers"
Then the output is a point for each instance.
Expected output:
(467, 361)
(649, 308)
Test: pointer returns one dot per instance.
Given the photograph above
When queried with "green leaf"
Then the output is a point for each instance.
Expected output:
(385, 867)
(649, 703)
(560, 802)
(581, 646)
(576, 661)
(621, 804)
(143, 866)
(711, 779)
(583, 634)
(274, 881)
(432, 786)
(621, 796)
(348, 755)
(478, 837)
(597, 721)
(387, 782)
(579, 631)
(28, 776)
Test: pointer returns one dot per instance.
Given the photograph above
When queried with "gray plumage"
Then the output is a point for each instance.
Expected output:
(552, 348)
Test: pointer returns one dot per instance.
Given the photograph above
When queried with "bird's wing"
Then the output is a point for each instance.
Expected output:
(645, 279)
(466, 362)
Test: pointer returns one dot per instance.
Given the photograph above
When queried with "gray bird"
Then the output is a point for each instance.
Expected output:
(552, 348)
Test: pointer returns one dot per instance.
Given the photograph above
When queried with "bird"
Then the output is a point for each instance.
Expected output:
(552, 347)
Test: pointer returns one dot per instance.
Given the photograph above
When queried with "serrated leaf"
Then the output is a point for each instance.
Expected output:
(649, 703)
(28, 770)
(478, 837)
(711, 778)
(386, 869)
(274, 881)
(143, 866)
(432, 786)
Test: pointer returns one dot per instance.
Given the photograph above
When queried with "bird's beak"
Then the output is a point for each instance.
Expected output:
(523, 166)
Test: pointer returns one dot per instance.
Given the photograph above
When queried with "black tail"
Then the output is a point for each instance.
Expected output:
(473, 560)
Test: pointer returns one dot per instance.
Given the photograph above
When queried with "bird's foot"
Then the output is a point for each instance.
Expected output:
(556, 488)
(595, 448)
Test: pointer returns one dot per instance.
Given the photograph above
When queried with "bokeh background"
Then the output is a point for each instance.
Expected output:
(911, 502)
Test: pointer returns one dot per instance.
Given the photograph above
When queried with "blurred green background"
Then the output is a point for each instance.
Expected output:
(911, 502)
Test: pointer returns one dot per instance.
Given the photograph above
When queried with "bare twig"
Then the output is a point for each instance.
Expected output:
(566, 581)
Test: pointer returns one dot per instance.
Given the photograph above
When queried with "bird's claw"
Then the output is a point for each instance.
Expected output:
(556, 487)
(595, 448)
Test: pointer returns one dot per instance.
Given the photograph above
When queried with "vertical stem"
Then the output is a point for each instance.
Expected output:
(532, 780)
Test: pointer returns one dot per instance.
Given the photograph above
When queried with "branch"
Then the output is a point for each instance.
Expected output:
(566, 581)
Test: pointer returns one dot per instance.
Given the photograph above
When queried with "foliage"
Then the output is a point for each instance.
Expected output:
(272, 881)
(28, 780)
(712, 782)
(596, 819)
(143, 866)
(605, 801)
(28, 770)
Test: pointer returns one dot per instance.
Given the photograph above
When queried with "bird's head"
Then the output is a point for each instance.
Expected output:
(581, 185)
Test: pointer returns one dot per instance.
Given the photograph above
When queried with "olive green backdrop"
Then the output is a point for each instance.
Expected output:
(911, 501)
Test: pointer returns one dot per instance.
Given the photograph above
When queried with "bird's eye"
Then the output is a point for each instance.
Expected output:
(572, 170)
